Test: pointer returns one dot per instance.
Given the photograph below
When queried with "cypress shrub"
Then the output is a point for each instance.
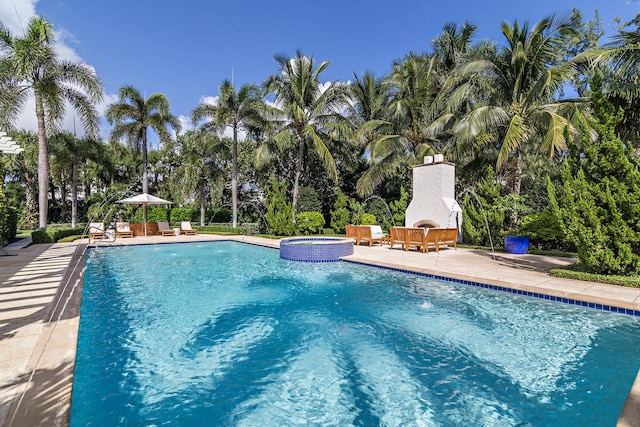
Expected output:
(599, 205)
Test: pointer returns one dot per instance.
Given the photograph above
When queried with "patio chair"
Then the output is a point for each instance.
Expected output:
(370, 234)
(96, 230)
(165, 230)
(123, 229)
(414, 237)
(398, 237)
(185, 228)
(352, 231)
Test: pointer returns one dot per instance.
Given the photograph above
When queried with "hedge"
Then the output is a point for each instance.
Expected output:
(54, 235)
(576, 272)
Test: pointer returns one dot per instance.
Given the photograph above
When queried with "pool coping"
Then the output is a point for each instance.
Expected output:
(45, 398)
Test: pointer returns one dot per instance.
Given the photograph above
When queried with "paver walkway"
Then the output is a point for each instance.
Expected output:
(38, 338)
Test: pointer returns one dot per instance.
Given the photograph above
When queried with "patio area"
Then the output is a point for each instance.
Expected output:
(40, 295)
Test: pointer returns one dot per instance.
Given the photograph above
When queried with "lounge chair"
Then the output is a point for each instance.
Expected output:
(165, 230)
(96, 230)
(123, 230)
(185, 228)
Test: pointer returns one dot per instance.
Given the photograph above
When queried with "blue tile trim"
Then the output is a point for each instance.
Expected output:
(564, 300)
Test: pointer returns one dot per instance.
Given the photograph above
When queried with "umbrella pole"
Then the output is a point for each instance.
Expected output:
(144, 218)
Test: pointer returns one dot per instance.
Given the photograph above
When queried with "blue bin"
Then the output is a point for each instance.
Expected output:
(516, 244)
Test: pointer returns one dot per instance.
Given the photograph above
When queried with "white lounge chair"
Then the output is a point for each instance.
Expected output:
(96, 230)
(123, 230)
(185, 228)
(164, 229)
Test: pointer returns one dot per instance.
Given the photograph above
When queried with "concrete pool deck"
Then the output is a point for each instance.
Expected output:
(40, 295)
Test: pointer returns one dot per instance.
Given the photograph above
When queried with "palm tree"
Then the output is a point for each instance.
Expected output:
(30, 66)
(305, 115)
(513, 94)
(241, 111)
(624, 53)
(401, 138)
(131, 117)
(74, 151)
(198, 166)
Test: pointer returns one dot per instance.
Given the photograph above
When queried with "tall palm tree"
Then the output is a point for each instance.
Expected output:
(305, 115)
(30, 67)
(241, 111)
(133, 115)
(514, 94)
(198, 167)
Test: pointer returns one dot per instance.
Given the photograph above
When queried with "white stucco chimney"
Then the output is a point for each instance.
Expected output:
(434, 196)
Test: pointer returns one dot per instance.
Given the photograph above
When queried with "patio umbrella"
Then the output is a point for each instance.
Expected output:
(144, 199)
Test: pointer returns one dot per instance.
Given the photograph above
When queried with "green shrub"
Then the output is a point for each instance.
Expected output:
(308, 200)
(599, 205)
(177, 215)
(340, 215)
(578, 272)
(309, 222)
(221, 228)
(545, 233)
(488, 203)
(252, 228)
(399, 208)
(53, 235)
(367, 219)
(218, 216)
(10, 227)
(279, 215)
(329, 231)
(154, 214)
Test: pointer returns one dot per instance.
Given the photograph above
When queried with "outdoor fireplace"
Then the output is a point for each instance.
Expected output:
(433, 203)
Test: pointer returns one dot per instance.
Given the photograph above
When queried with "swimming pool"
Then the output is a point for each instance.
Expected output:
(226, 333)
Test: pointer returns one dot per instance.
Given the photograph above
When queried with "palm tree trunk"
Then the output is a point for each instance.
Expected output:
(145, 171)
(296, 182)
(74, 192)
(234, 178)
(43, 165)
(202, 212)
(517, 185)
(145, 179)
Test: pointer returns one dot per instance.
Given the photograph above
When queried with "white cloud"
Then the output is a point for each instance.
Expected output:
(15, 14)
(211, 100)
(185, 123)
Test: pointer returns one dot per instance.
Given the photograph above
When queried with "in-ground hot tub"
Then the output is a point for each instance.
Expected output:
(316, 249)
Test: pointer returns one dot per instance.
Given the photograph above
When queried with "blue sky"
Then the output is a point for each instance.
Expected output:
(185, 49)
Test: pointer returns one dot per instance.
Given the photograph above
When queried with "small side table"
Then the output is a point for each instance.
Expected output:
(176, 231)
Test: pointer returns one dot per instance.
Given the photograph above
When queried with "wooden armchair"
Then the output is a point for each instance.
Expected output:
(398, 236)
(414, 237)
(365, 232)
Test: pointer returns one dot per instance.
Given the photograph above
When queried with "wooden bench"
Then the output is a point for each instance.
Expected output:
(406, 237)
(438, 236)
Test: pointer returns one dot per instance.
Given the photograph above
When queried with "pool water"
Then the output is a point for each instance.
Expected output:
(225, 333)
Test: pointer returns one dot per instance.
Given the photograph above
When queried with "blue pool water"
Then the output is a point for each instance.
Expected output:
(226, 333)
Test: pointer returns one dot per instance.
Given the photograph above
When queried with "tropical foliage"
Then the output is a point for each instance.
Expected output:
(298, 151)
